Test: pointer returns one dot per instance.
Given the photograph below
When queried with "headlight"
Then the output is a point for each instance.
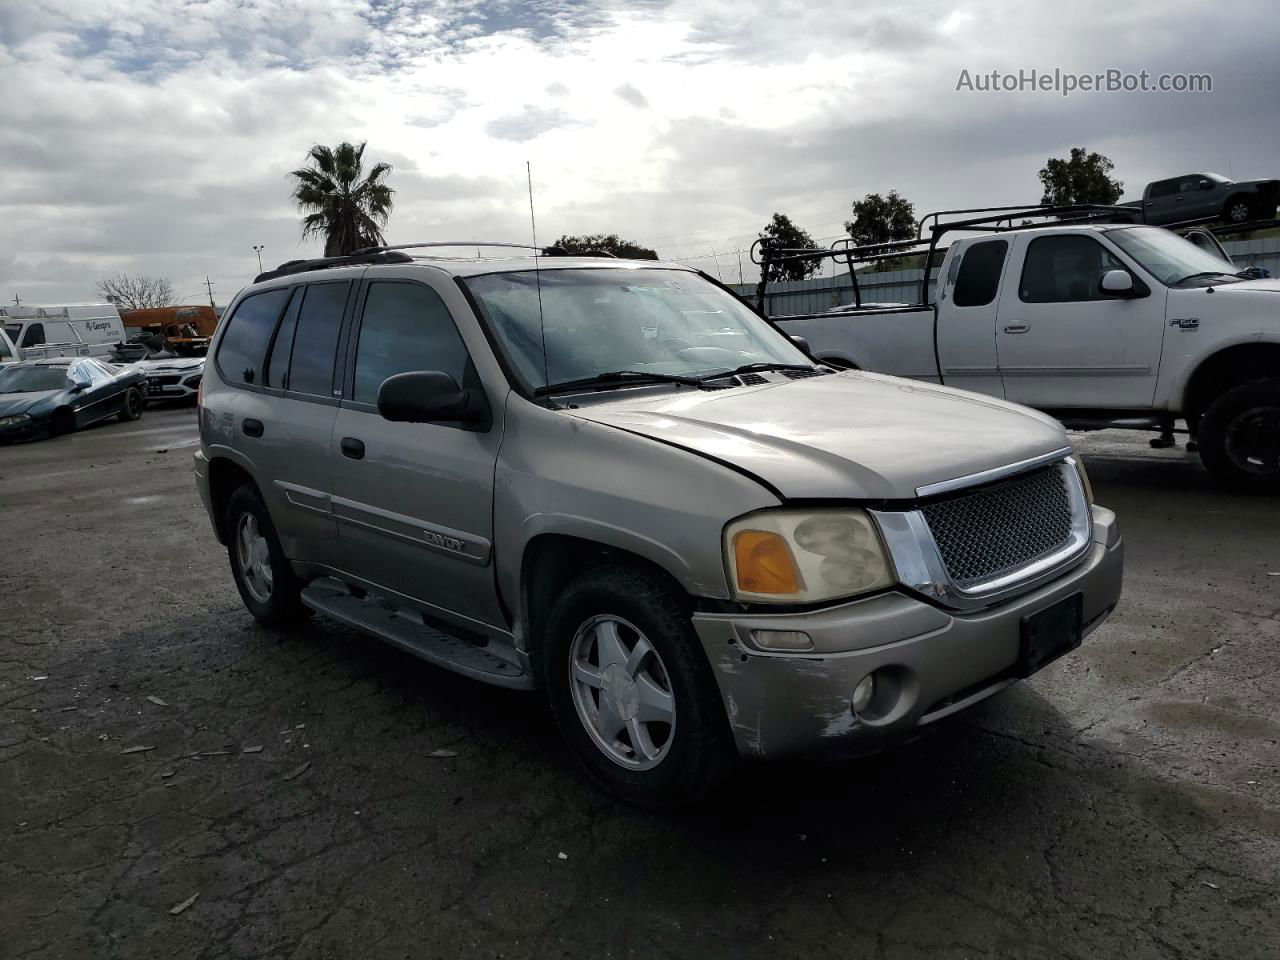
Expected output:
(14, 420)
(1078, 461)
(805, 556)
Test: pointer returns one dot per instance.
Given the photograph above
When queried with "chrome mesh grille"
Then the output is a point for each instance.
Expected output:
(1003, 527)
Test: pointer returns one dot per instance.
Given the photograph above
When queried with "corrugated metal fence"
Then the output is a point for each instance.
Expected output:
(819, 294)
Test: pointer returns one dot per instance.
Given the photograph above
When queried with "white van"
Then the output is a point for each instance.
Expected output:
(77, 329)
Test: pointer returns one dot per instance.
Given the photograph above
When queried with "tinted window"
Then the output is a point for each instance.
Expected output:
(1164, 188)
(244, 345)
(315, 341)
(1065, 269)
(406, 326)
(980, 274)
(282, 345)
(34, 336)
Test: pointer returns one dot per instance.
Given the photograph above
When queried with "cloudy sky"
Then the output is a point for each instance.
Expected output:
(154, 136)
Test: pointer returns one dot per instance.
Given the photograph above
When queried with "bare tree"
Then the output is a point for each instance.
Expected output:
(136, 291)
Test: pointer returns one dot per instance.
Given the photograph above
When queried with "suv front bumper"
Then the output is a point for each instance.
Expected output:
(933, 662)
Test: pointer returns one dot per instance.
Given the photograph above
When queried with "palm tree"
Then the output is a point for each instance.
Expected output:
(342, 205)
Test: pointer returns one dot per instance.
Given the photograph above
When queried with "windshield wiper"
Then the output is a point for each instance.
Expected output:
(616, 378)
(1209, 273)
(757, 368)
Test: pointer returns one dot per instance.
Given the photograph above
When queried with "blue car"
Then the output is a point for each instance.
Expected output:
(41, 398)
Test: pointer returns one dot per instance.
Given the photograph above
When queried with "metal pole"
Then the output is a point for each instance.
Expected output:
(258, 248)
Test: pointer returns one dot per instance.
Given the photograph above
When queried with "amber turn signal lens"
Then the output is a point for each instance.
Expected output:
(764, 563)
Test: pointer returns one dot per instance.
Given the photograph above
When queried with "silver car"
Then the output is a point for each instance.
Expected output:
(613, 481)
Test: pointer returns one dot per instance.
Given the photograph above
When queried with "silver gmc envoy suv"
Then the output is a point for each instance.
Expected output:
(614, 481)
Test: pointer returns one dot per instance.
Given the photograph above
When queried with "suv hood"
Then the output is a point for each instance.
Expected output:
(848, 435)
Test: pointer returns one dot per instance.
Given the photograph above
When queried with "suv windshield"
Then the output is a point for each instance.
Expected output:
(1167, 256)
(599, 321)
(33, 379)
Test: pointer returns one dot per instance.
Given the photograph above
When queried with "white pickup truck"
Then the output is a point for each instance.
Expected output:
(1098, 325)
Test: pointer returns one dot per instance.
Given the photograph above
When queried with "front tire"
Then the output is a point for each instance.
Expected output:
(632, 691)
(1239, 437)
(259, 567)
(132, 407)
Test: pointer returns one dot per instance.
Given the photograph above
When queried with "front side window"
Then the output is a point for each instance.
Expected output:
(1066, 269)
(315, 342)
(1164, 188)
(570, 324)
(244, 344)
(979, 276)
(406, 326)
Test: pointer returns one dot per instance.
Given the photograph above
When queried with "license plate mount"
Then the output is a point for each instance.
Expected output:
(1049, 633)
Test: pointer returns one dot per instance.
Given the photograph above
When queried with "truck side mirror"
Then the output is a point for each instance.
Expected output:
(802, 343)
(431, 396)
(1117, 283)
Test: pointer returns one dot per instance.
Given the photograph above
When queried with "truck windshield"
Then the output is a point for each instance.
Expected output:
(596, 321)
(1167, 256)
(33, 379)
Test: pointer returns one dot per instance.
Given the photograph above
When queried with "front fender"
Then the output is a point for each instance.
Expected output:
(1172, 395)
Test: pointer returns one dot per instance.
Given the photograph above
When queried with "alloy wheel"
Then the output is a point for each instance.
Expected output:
(622, 692)
(254, 557)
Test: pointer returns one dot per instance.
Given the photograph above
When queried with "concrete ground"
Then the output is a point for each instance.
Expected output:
(156, 745)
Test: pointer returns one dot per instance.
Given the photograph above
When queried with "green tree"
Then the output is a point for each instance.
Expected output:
(878, 219)
(781, 234)
(605, 243)
(1084, 178)
(343, 204)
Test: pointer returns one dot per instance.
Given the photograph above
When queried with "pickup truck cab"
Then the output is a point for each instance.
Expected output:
(612, 481)
(1198, 196)
(1099, 325)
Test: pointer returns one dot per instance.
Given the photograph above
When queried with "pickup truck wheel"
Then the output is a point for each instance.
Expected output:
(1240, 437)
(1238, 210)
(633, 693)
(132, 407)
(258, 564)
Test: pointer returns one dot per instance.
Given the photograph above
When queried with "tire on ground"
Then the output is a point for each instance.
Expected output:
(1244, 415)
(701, 752)
(283, 606)
(133, 405)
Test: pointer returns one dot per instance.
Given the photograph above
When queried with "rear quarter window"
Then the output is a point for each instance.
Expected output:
(243, 347)
(979, 276)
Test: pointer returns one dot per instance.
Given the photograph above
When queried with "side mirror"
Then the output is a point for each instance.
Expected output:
(431, 396)
(1206, 184)
(1117, 283)
(802, 343)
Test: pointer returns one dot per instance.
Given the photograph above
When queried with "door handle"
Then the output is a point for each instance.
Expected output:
(1178, 199)
(353, 448)
(1017, 326)
(251, 427)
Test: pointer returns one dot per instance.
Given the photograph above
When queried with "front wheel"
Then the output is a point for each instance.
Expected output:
(132, 407)
(1239, 437)
(632, 691)
(258, 564)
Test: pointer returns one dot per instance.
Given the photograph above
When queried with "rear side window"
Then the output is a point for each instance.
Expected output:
(979, 276)
(315, 341)
(244, 344)
(1065, 269)
(406, 327)
(34, 336)
(282, 345)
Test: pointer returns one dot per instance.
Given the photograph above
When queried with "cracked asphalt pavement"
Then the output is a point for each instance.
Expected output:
(156, 745)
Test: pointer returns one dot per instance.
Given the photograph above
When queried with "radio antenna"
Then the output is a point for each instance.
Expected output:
(537, 272)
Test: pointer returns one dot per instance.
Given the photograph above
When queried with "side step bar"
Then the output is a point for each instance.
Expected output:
(406, 630)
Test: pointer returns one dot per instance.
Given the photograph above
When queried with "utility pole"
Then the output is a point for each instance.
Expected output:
(719, 275)
(258, 248)
(17, 301)
(739, 264)
(208, 285)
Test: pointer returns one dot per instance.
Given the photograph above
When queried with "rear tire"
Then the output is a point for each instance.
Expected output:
(612, 704)
(1239, 437)
(259, 567)
(133, 404)
(1238, 210)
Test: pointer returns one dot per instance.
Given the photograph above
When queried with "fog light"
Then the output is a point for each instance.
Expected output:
(864, 692)
(782, 639)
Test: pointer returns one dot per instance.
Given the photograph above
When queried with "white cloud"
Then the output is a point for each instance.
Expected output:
(155, 136)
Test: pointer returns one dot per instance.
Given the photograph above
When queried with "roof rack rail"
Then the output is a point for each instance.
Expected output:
(542, 251)
(324, 263)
